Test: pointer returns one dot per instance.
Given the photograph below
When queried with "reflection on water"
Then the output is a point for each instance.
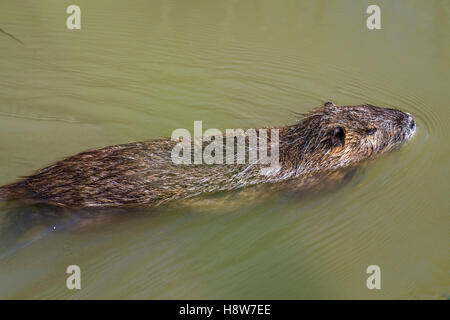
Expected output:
(142, 71)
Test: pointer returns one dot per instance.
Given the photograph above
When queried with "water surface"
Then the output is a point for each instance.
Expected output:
(139, 70)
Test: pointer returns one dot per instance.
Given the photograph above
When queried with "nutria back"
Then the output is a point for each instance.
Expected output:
(328, 138)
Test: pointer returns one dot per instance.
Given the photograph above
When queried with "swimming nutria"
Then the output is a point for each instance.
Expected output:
(330, 137)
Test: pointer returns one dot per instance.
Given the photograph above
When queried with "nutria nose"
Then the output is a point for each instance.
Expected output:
(411, 122)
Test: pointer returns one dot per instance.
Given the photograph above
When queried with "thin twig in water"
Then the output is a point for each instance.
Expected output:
(10, 35)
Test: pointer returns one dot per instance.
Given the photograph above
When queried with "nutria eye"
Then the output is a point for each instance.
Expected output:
(338, 138)
(371, 131)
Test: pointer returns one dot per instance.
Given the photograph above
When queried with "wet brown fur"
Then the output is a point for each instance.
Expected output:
(142, 173)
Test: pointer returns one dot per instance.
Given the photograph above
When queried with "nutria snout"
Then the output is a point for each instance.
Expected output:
(411, 123)
(328, 138)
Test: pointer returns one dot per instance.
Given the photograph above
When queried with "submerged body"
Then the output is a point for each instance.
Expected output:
(329, 138)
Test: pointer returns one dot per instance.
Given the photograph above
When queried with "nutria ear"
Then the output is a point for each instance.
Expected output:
(329, 104)
(338, 137)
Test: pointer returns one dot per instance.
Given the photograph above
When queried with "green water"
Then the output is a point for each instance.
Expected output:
(140, 69)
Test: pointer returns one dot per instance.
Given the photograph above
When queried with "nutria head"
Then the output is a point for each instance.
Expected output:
(332, 137)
